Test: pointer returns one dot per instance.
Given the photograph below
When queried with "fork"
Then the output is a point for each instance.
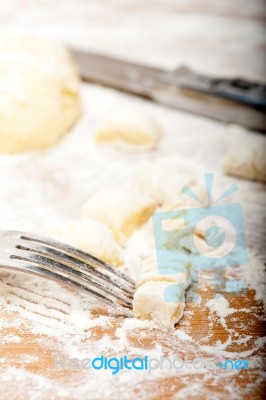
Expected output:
(51, 259)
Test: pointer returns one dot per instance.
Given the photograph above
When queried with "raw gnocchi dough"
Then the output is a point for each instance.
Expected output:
(122, 209)
(39, 93)
(129, 127)
(247, 159)
(90, 236)
(154, 275)
(162, 180)
(149, 302)
(149, 299)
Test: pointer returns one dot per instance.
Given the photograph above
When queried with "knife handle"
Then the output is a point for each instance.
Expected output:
(252, 94)
(240, 90)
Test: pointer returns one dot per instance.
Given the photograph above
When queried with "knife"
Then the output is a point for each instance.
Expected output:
(229, 100)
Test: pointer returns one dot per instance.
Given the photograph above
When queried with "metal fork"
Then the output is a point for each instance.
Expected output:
(48, 258)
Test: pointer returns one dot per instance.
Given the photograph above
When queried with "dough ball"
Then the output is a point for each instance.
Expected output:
(180, 229)
(39, 93)
(149, 303)
(149, 262)
(179, 277)
(133, 128)
(122, 209)
(149, 299)
(91, 236)
(163, 181)
(247, 159)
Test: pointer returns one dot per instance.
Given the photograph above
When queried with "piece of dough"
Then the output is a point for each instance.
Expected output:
(131, 127)
(155, 276)
(149, 303)
(247, 159)
(164, 180)
(122, 209)
(179, 237)
(149, 299)
(91, 236)
(39, 93)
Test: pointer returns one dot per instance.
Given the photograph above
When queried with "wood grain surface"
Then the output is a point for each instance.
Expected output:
(216, 37)
(196, 323)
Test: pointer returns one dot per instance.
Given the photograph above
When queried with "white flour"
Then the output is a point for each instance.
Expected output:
(43, 189)
(40, 190)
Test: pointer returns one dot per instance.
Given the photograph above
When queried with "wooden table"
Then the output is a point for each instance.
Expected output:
(165, 33)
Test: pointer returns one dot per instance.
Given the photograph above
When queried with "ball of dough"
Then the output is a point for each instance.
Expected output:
(131, 127)
(39, 93)
(149, 303)
(91, 236)
(247, 159)
(149, 299)
(155, 275)
(163, 180)
(122, 209)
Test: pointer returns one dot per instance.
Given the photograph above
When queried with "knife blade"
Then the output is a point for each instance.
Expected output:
(229, 100)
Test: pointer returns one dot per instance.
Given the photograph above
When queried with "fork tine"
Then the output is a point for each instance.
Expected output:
(43, 272)
(71, 262)
(76, 275)
(58, 261)
(83, 256)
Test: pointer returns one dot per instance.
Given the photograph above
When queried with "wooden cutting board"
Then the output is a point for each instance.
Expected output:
(23, 346)
(195, 323)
